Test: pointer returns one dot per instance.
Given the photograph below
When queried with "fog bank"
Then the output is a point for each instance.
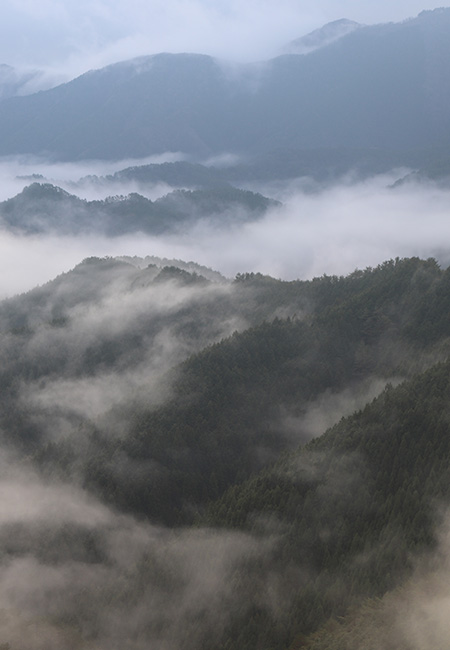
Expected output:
(333, 231)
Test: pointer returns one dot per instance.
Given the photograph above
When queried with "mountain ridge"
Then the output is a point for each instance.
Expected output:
(321, 37)
(336, 96)
(46, 208)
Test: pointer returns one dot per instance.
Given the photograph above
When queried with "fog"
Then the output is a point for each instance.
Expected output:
(415, 616)
(16, 172)
(155, 317)
(64, 38)
(78, 573)
(333, 231)
(81, 575)
(328, 409)
(422, 607)
(86, 362)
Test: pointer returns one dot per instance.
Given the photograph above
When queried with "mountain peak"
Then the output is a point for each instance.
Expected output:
(435, 12)
(321, 37)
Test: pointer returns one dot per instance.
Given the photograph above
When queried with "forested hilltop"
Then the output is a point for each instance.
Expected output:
(42, 208)
(196, 462)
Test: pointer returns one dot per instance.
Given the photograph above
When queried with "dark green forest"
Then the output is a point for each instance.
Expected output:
(194, 459)
(171, 430)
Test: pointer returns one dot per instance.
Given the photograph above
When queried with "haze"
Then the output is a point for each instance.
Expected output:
(135, 393)
(65, 38)
(334, 231)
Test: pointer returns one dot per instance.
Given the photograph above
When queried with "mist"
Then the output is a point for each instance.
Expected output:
(332, 231)
(421, 607)
(414, 616)
(16, 172)
(139, 400)
(64, 39)
(325, 411)
(78, 574)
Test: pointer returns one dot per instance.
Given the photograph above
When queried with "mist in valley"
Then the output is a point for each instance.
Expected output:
(77, 571)
(224, 414)
(335, 229)
(77, 574)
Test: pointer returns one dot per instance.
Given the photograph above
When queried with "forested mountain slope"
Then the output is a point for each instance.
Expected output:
(229, 409)
(351, 510)
(162, 458)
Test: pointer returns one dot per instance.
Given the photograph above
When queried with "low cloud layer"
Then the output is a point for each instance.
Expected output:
(333, 231)
(17, 172)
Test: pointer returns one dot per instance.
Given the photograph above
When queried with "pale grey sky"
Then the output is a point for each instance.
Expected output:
(71, 36)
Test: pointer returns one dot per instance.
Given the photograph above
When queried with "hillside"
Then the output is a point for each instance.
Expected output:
(247, 448)
(44, 208)
(337, 96)
(353, 509)
(321, 37)
(229, 409)
(166, 465)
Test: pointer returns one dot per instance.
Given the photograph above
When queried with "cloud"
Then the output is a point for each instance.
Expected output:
(328, 409)
(415, 616)
(16, 172)
(92, 34)
(99, 345)
(156, 317)
(66, 38)
(76, 574)
(332, 231)
(25, 497)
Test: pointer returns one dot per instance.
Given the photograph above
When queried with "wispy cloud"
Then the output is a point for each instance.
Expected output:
(333, 231)
(80, 575)
(66, 37)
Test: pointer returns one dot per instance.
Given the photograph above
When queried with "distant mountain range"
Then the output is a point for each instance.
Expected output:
(176, 174)
(322, 37)
(45, 208)
(383, 87)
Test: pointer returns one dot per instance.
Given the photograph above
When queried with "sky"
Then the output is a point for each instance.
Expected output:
(68, 37)
(314, 235)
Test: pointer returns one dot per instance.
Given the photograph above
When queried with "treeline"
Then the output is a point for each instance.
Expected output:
(335, 520)
(225, 417)
(351, 510)
(42, 207)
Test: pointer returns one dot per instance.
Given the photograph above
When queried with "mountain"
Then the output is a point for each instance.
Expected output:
(151, 104)
(15, 82)
(436, 172)
(230, 408)
(190, 267)
(322, 37)
(180, 174)
(322, 165)
(352, 509)
(338, 96)
(45, 208)
(239, 464)
(194, 462)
